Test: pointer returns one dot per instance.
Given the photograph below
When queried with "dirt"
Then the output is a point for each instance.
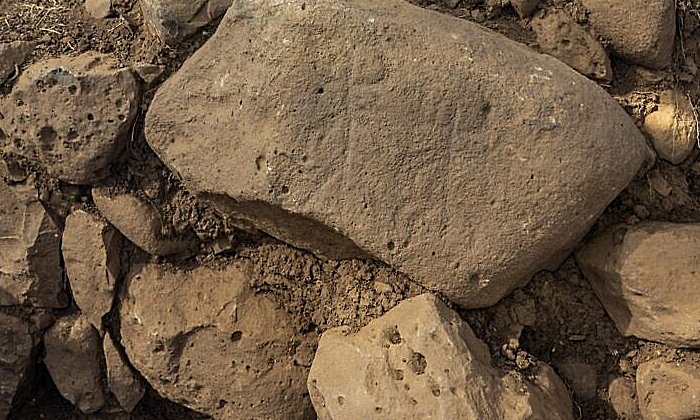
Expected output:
(555, 318)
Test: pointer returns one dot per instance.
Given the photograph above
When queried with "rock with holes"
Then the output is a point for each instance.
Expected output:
(74, 360)
(640, 31)
(16, 350)
(174, 19)
(30, 259)
(673, 128)
(12, 55)
(123, 382)
(461, 158)
(646, 277)
(91, 253)
(668, 390)
(203, 338)
(73, 115)
(420, 360)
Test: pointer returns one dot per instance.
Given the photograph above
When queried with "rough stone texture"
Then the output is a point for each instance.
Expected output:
(99, 9)
(524, 8)
(175, 19)
(122, 381)
(463, 159)
(560, 36)
(97, 104)
(30, 260)
(140, 222)
(640, 31)
(16, 348)
(91, 251)
(12, 55)
(205, 340)
(647, 278)
(668, 391)
(420, 360)
(581, 377)
(621, 393)
(672, 127)
(74, 360)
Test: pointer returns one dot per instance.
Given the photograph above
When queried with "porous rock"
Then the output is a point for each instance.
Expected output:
(16, 350)
(673, 127)
(203, 338)
(640, 31)
(173, 20)
(463, 159)
(12, 55)
(646, 277)
(71, 114)
(91, 253)
(122, 381)
(420, 360)
(74, 360)
(668, 390)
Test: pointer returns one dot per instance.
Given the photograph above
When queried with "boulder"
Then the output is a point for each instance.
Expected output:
(646, 277)
(173, 20)
(16, 358)
(204, 339)
(621, 394)
(672, 128)
(91, 254)
(668, 390)
(30, 259)
(122, 381)
(463, 159)
(640, 31)
(13, 55)
(97, 103)
(420, 360)
(74, 360)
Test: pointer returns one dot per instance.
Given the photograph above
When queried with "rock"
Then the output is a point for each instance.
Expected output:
(420, 360)
(149, 73)
(13, 55)
(580, 376)
(99, 9)
(668, 391)
(630, 268)
(122, 381)
(16, 359)
(524, 8)
(91, 254)
(98, 103)
(74, 360)
(505, 171)
(30, 259)
(672, 128)
(640, 31)
(621, 393)
(204, 339)
(173, 20)
(141, 223)
(561, 37)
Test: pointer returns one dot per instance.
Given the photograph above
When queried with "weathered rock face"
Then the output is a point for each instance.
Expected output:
(122, 381)
(641, 31)
(205, 340)
(74, 360)
(97, 104)
(12, 55)
(91, 249)
(420, 360)
(461, 158)
(99, 9)
(672, 127)
(175, 19)
(667, 391)
(30, 260)
(646, 276)
(16, 348)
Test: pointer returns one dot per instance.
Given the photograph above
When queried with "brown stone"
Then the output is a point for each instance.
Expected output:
(668, 390)
(13, 55)
(673, 128)
(173, 20)
(524, 8)
(621, 393)
(123, 382)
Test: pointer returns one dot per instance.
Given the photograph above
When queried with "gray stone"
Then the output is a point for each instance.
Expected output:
(16, 359)
(668, 390)
(123, 382)
(173, 20)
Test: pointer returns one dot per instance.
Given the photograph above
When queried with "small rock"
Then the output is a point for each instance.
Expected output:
(122, 381)
(91, 249)
(420, 360)
(560, 36)
(672, 128)
(452, 4)
(13, 55)
(621, 394)
(646, 277)
(524, 8)
(641, 211)
(74, 360)
(99, 9)
(98, 103)
(580, 376)
(16, 358)
(149, 73)
(141, 223)
(659, 184)
(668, 391)
(640, 31)
(173, 20)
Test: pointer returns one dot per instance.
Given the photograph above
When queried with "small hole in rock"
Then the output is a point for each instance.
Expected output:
(121, 117)
(390, 245)
(393, 335)
(72, 89)
(341, 400)
(436, 392)
(236, 336)
(319, 91)
(418, 363)
(90, 117)
(285, 189)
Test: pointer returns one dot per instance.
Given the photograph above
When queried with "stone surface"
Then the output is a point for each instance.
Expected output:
(580, 376)
(560, 36)
(524, 8)
(122, 381)
(140, 222)
(646, 276)
(205, 340)
(74, 360)
(420, 360)
(30, 260)
(640, 31)
(99, 9)
(672, 128)
(91, 254)
(13, 55)
(621, 394)
(16, 351)
(175, 19)
(98, 103)
(668, 391)
(508, 164)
